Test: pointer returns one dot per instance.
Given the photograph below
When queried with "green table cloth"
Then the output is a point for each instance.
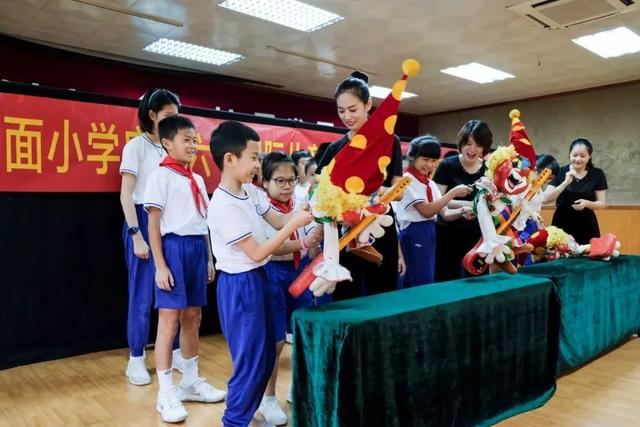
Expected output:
(599, 305)
(468, 352)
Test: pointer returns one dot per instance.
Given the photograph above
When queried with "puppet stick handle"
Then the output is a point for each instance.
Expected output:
(395, 191)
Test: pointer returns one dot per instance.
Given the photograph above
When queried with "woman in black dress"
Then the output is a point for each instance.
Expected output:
(354, 102)
(578, 189)
(454, 239)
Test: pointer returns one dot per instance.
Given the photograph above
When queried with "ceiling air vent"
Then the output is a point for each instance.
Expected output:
(557, 14)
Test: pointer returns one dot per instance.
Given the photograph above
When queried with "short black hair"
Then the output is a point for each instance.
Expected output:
(424, 146)
(274, 159)
(300, 154)
(169, 126)
(480, 132)
(154, 100)
(230, 137)
(545, 160)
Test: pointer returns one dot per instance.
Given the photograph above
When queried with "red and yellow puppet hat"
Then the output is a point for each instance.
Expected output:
(520, 140)
(359, 169)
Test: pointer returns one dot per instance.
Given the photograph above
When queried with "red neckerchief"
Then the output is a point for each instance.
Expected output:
(285, 209)
(200, 200)
(423, 179)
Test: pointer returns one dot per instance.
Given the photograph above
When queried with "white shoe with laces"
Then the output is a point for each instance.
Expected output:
(200, 391)
(272, 412)
(170, 407)
(137, 372)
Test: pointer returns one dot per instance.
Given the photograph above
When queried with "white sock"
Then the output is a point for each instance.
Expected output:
(190, 370)
(165, 380)
(132, 358)
(176, 354)
(268, 399)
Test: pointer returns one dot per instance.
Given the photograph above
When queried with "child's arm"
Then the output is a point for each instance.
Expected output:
(140, 247)
(259, 251)
(310, 241)
(277, 220)
(428, 210)
(449, 214)
(211, 270)
(402, 266)
(164, 278)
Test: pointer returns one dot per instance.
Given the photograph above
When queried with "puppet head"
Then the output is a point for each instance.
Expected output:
(504, 170)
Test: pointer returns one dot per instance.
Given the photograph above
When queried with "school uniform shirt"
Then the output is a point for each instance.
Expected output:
(233, 218)
(301, 233)
(301, 193)
(140, 157)
(170, 191)
(415, 193)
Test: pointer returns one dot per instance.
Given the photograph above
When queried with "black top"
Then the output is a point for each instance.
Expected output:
(393, 169)
(584, 188)
(451, 173)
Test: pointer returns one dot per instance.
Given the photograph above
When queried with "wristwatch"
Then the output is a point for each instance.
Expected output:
(133, 230)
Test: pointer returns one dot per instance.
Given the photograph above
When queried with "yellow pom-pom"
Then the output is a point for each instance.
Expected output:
(411, 67)
(332, 200)
(514, 113)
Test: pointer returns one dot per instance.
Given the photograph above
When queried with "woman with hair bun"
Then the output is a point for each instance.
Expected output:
(353, 103)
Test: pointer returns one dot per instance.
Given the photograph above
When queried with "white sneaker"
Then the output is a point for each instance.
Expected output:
(290, 393)
(137, 371)
(288, 338)
(272, 412)
(170, 408)
(200, 391)
(178, 361)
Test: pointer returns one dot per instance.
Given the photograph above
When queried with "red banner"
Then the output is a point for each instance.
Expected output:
(55, 145)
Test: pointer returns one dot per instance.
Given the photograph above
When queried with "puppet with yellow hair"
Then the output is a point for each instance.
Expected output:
(347, 194)
(507, 199)
(502, 192)
(551, 243)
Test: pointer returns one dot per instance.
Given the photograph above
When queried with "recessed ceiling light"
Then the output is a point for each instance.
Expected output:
(612, 43)
(383, 92)
(193, 52)
(477, 73)
(290, 13)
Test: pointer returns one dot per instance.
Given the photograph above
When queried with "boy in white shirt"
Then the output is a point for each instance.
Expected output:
(176, 200)
(241, 249)
(418, 210)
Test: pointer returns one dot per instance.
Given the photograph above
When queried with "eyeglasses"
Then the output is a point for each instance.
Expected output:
(281, 182)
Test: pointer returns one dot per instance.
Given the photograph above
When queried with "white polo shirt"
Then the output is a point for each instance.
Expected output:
(415, 193)
(170, 191)
(301, 193)
(231, 219)
(302, 232)
(140, 157)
